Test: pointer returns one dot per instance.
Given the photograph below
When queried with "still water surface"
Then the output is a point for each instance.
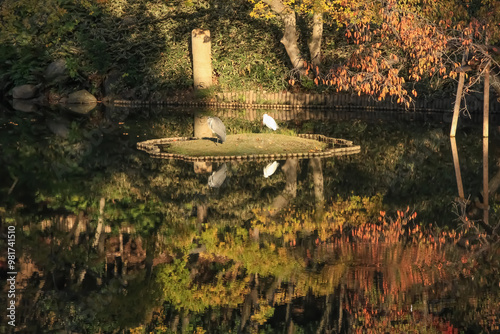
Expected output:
(108, 239)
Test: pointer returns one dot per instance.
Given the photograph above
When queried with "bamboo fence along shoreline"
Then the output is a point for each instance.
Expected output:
(287, 100)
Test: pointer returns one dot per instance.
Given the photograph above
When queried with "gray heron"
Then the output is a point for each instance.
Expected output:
(269, 122)
(217, 127)
(217, 178)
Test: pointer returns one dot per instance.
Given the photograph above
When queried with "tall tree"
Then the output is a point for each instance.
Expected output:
(392, 43)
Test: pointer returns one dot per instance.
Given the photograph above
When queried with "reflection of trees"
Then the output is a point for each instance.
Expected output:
(480, 229)
(370, 285)
(317, 172)
(67, 283)
(200, 249)
(290, 191)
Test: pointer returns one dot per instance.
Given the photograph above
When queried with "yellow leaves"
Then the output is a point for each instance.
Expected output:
(414, 92)
(261, 10)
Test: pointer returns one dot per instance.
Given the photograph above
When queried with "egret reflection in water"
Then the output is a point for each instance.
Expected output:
(217, 178)
(270, 169)
(218, 128)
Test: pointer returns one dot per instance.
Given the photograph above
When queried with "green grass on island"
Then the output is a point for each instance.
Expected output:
(246, 143)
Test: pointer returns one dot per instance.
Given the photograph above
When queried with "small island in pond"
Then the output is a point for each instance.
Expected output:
(248, 146)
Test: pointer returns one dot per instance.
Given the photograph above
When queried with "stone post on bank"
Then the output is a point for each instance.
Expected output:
(202, 58)
(201, 130)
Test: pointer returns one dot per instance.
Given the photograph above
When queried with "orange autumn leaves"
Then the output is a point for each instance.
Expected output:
(400, 46)
(398, 43)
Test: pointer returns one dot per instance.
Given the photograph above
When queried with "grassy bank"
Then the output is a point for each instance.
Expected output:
(144, 44)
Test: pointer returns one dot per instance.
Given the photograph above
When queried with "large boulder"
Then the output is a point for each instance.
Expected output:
(24, 92)
(24, 105)
(82, 109)
(81, 97)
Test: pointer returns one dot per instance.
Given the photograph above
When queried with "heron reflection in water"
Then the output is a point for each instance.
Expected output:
(217, 178)
(217, 127)
(270, 169)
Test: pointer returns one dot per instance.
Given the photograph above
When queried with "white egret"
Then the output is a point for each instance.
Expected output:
(269, 122)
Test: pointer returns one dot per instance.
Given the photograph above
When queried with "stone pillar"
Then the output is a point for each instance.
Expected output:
(201, 130)
(202, 58)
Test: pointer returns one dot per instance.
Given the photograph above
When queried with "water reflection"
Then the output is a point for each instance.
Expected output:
(114, 240)
(467, 209)
(218, 177)
(270, 168)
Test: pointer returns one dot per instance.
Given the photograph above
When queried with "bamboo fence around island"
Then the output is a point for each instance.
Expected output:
(339, 101)
(337, 147)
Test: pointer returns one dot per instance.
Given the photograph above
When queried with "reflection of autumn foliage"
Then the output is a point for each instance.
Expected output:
(354, 211)
(266, 259)
(385, 274)
(184, 288)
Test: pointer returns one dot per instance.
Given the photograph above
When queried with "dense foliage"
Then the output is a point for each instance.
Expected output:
(143, 47)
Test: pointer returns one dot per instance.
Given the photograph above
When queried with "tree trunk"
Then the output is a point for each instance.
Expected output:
(100, 223)
(290, 169)
(317, 171)
(185, 322)
(289, 39)
(290, 326)
(341, 305)
(246, 310)
(495, 84)
(456, 163)
(317, 35)
(494, 182)
(486, 102)
(458, 98)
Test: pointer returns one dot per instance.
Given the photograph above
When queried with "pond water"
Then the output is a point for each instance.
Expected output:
(97, 236)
